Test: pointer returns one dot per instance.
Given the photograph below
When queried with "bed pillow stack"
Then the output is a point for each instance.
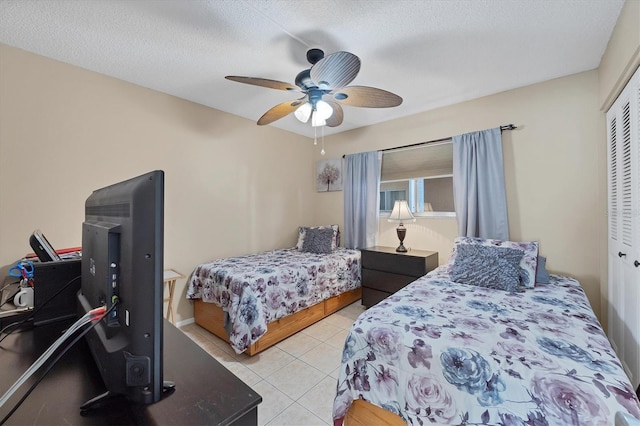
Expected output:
(318, 238)
(527, 265)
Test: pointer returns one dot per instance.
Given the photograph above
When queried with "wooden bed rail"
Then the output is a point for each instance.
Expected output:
(211, 317)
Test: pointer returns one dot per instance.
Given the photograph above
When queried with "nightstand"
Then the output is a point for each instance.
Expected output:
(385, 271)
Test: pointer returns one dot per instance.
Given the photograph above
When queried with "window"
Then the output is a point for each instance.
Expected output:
(423, 176)
(388, 197)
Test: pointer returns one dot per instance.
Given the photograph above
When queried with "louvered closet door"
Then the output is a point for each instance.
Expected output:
(624, 227)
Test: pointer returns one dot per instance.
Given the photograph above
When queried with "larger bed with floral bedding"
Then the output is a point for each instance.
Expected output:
(447, 352)
(256, 300)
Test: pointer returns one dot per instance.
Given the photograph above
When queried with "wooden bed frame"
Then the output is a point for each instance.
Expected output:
(211, 317)
(363, 413)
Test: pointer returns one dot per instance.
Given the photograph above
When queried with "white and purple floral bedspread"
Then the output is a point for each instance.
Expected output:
(257, 289)
(449, 353)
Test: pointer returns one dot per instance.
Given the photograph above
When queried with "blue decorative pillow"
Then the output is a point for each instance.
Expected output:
(318, 240)
(542, 276)
(527, 264)
(487, 266)
(302, 232)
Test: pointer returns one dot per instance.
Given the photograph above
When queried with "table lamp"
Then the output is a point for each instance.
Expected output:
(401, 213)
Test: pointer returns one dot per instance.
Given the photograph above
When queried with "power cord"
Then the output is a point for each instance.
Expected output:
(94, 316)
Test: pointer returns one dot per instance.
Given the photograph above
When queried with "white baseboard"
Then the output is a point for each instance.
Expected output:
(185, 322)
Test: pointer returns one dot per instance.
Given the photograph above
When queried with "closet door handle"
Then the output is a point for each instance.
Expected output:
(636, 263)
(621, 254)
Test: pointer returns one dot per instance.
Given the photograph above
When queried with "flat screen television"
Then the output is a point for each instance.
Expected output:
(122, 261)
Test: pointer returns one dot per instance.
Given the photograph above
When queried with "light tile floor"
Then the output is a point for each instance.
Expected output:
(297, 377)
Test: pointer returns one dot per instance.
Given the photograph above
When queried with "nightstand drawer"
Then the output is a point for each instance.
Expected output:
(371, 297)
(415, 263)
(385, 271)
(384, 281)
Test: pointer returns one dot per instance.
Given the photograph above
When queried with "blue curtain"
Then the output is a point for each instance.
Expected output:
(478, 185)
(361, 199)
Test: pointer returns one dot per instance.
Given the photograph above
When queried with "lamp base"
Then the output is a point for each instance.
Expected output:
(402, 232)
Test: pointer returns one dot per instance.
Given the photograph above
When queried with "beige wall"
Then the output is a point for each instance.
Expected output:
(231, 187)
(553, 170)
(622, 56)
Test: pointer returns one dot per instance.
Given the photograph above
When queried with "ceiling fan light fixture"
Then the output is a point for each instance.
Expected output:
(323, 110)
(303, 112)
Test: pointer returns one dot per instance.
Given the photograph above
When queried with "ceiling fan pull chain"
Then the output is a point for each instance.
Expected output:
(322, 152)
(315, 136)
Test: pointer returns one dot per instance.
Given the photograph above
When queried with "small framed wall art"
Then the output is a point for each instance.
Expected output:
(329, 175)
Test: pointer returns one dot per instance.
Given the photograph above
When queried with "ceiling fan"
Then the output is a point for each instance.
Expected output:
(325, 89)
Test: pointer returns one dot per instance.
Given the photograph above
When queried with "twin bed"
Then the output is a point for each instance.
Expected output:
(470, 353)
(485, 339)
(257, 300)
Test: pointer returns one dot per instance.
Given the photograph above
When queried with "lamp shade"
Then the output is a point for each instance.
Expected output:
(400, 212)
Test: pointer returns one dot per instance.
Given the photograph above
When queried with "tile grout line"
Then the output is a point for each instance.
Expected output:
(202, 337)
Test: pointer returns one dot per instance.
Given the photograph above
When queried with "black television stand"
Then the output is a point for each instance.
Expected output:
(204, 388)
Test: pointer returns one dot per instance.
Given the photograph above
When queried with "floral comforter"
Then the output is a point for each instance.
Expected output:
(257, 289)
(449, 353)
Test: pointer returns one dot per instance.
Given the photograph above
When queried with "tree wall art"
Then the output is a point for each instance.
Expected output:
(329, 175)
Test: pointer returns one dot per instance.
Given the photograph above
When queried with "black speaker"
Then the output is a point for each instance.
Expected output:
(55, 285)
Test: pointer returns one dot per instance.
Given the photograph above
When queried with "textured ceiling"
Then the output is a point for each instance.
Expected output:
(431, 53)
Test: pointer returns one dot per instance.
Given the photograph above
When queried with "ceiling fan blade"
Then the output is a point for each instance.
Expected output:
(279, 111)
(368, 97)
(335, 70)
(337, 116)
(263, 82)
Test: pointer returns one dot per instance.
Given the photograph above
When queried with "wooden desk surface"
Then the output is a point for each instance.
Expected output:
(205, 393)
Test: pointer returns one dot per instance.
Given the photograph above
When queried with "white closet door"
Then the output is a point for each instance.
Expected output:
(624, 227)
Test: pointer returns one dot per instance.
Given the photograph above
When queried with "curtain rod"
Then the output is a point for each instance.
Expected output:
(502, 129)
